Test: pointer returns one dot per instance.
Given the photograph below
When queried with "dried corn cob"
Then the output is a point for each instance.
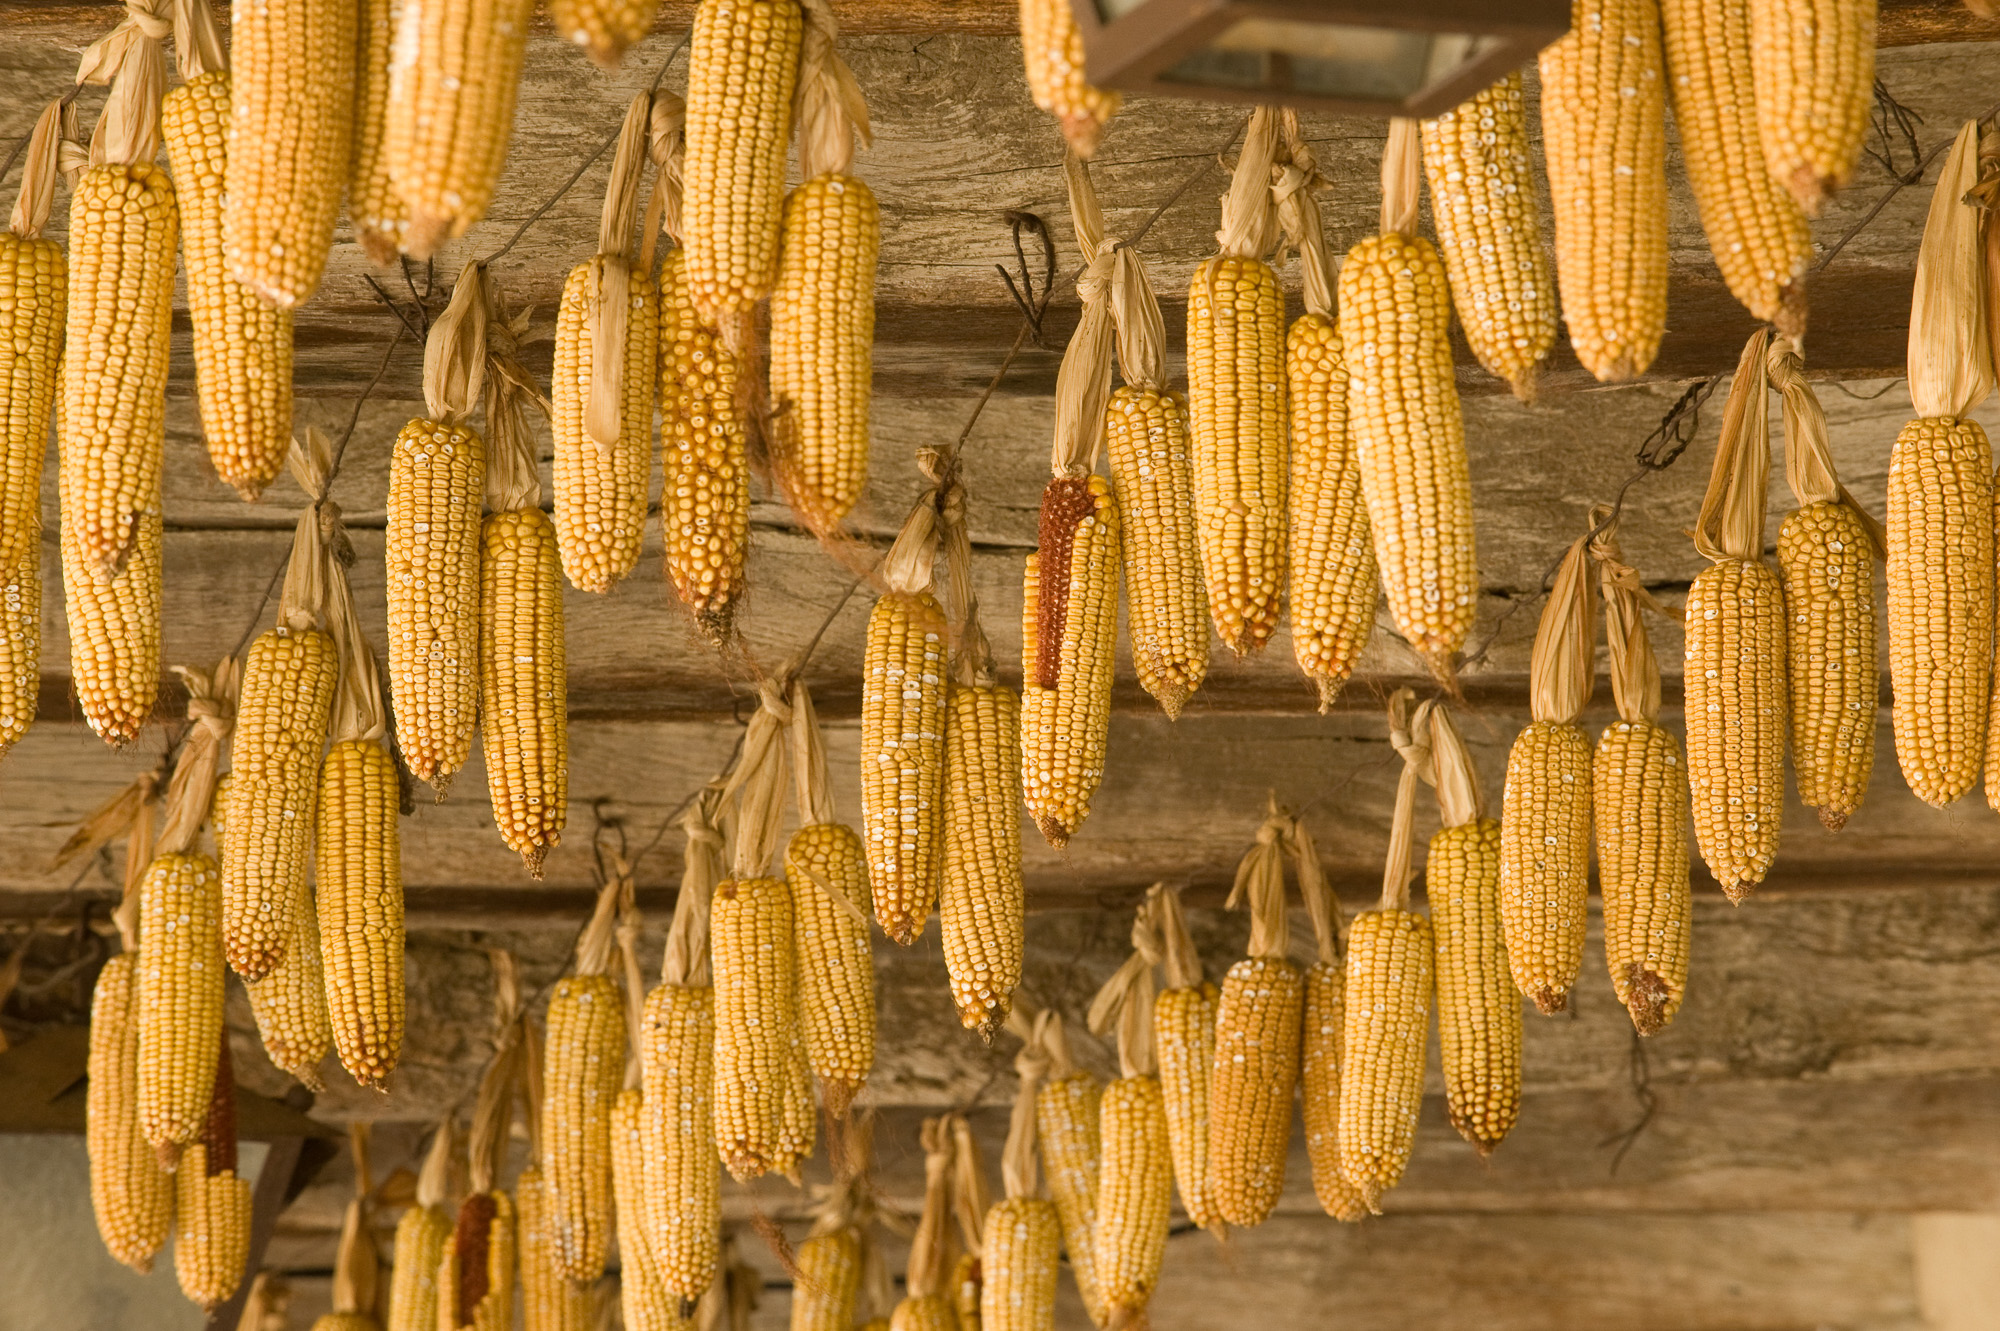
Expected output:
(1135, 1173)
(454, 71)
(604, 28)
(1066, 1122)
(358, 869)
(357, 1266)
(242, 342)
(180, 998)
(476, 1273)
(828, 1282)
(1756, 230)
(114, 632)
(211, 1202)
(643, 1299)
(1069, 636)
(584, 1065)
(373, 206)
(1403, 417)
(289, 1003)
(1322, 1031)
(550, 1301)
(1815, 74)
(902, 753)
(421, 1234)
(705, 505)
(1604, 133)
(1021, 1236)
(1184, 1042)
(1052, 54)
(1488, 217)
(980, 899)
(130, 1194)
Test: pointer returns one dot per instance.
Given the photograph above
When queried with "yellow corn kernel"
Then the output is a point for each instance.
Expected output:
(1756, 230)
(281, 727)
(1814, 62)
(1068, 654)
(828, 1282)
(1236, 409)
(476, 1273)
(1146, 439)
(180, 997)
(836, 969)
(1257, 1043)
(550, 1301)
(1639, 784)
(822, 331)
(131, 1196)
(33, 301)
(454, 72)
(1319, 1084)
(1489, 225)
(211, 1224)
(644, 1301)
(114, 634)
(683, 1206)
(1604, 139)
(759, 1066)
(1403, 417)
(581, 1072)
(902, 759)
(437, 475)
(743, 60)
(1941, 580)
(358, 870)
(373, 206)
(421, 1234)
(604, 28)
(1826, 562)
(523, 683)
(242, 343)
(1333, 585)
(1134, 1192)
(601, 492)
(1018, 1265)
(981, 899)
(123, 223)
(705, 503)
(1066, 1121)
(1736, 705)
(1052, 55)
(1388, 1001)
(1184, 1040)
(289, 1003)
(1479, 1011)
(1544, 865)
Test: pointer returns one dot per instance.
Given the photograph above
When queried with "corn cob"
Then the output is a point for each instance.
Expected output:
(380, 220)
(836, 970)
(902, 758)
(289, 1003)
(1184, 1034)
(1322, 1031)
(431, 546)
(705, 505)
(242, 342)
(1069, 636)
(683, 1206)
(743, 62)
(32, 311)
(1488, 218)
(281, 729)
(1388, 1013)
(582, 1070)
(980, 900)
(1604, 133)
(1332, 558)
(1544, 861)
(1052, 53)
(756, 998)
(123, 225)
(421, 1234)
(1146, 438)
(1479, 1012)
(926, 1306)
(644, 1301)
(454, 71)
(522, 681)
(1815, 74)
(359, 872)
(1760, 238)
(1066, 1121)
(476, 1273)
(131, 1195)
(964, 1295)
(291, 122)
(211, 1202)
(829, 1281)
(1640, 785)
(1018, 1266)
(601, 490)
(1134, 1192)
(604, 28)
(114, 633)
(1403, 417)
(180, 998)
(549, 1300)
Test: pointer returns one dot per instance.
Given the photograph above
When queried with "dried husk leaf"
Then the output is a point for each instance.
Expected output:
(1322, 906)
(211, 713)
(827, 107)
(1731, 523)
(1950, 359)
(317, 595)
(40, 166)
(1563, 666)
(609, 294)
(971, 1194)
(1634, 668)
(455, 352)
(513, 476)
(629, 924)
(594, 945)
(132, 60)
(1297, 179)
(1125, 1003)
(1458, 795)
(1083, 382)
(1987, 195)
(1183, 960)
(1141, 329)
(356, 1265)
(1402, 168)
(492, 1110)
(1019, 1158)
(811, 786)
(1409, 736)
(1809, 471)
(1260, 887)
(1249, 216)
(756, 787)
(117, 815)
(954, 543)
(930, 1247)
(434, 1177)
(666, 144)
(910, 567)
(197, 40)
(685, 962)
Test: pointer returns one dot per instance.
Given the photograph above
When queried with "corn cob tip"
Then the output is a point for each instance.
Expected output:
(1646, 998)
(1053, 831)
(169, 1155)
(1548, 1002)
(1329, 691)
(1172, 698)
(1811, 189)
(1525, 386)
(1124, 1317)
(1443, 666)
(440, 784)
(1790, 318)
(715, 623)
(531, 859)
(1834, 819)
(988, 1019)
(1083, 130)
(837, 1096)
(379, 246)
(1738, 892)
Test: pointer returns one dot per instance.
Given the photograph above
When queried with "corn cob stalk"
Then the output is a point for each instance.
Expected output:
(1826, 559)
(1321, 1035)
(580, 1082)
(33, 309)
(1403, 417)
(763, 1100)
(1735, 675)
(823, 306)
(1758, 234)
(1052, 53)
(1066, 1124)
(1544, 832)
(1488, 217)
(1184, 1043)
(604, 28)
(1236, 404)
(524, 723)
(1257, 1042)
(1639, 784)
(1388, 997)
(826, 871)
(130, 1194)
(180, 998)
(380, 220)
(683, 1209)
(211, 1202)
(1940, 529)
(476, 1271)
(242, 342)
(1023, 1232)
(421, 1234)
(925, 1305)
(454, 71)
(743, 63)
(1135, 1176)
(1815, 74)
(607, 343)
(705, 505)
